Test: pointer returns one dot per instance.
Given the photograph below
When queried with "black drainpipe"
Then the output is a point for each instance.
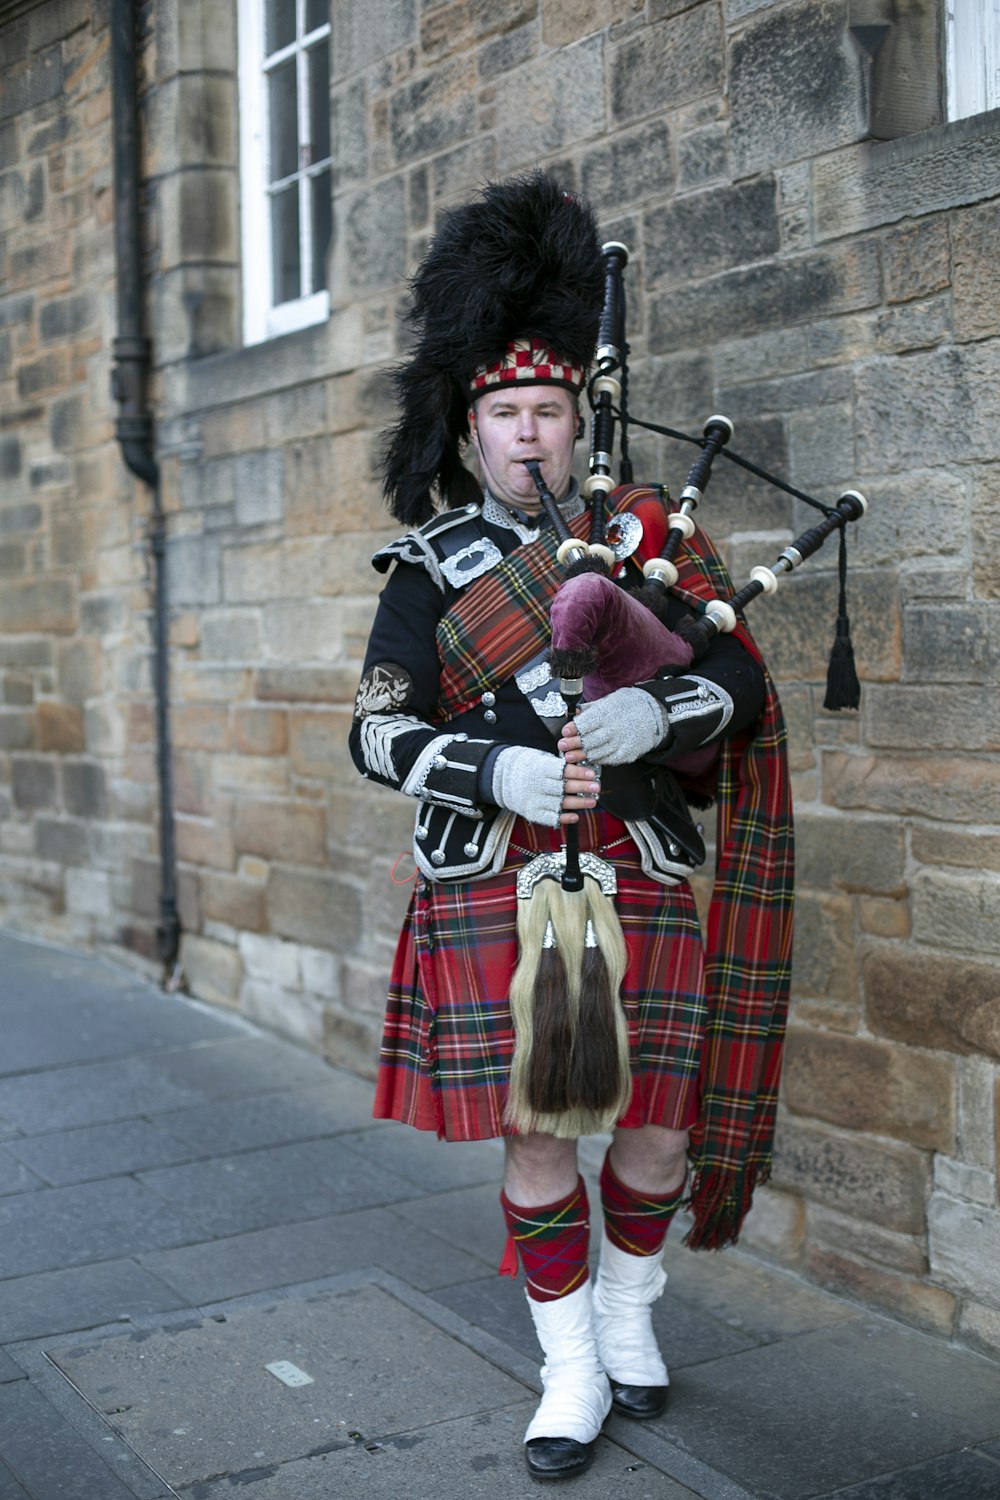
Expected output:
(134, 429)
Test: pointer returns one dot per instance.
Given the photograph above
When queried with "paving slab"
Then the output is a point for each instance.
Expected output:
(477, 1458)
(88, 1296)
(432, 1166)
(14, 1175)
(95, 1151)
(9, 1368)
(763, 1415)
(287, 1255)
(58, 1008)
(279, 1185)
(335, 1106)
(763, 1302)
(235, 1066)
(469, 1217)
(687, 1334)
(197, 1402)
(60, 1227)
(967, 1475)
(90, 1094)
(9, 1487)
(47, 1456)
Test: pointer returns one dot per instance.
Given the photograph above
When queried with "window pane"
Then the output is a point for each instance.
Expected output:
(282, 96)
(285, 243)
(318, 59)
(317, 13)
(321, 190)
(279, 24)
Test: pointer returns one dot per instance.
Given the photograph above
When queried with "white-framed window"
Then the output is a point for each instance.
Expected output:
(285, 177)
(972, 50)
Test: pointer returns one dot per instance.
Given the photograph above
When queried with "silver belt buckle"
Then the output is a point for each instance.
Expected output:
(551, 867)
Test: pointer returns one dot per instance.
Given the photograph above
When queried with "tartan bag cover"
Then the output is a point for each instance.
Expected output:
(500, 622)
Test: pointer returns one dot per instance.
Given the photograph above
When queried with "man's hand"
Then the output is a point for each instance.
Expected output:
(543, 788)
(616, 730)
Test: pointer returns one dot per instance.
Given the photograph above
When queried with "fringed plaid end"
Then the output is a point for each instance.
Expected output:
(719, 1202)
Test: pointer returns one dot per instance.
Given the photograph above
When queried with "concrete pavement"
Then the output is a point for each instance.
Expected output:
(219, 1276)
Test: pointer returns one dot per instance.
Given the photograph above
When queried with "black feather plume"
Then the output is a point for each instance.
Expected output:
(522, 260)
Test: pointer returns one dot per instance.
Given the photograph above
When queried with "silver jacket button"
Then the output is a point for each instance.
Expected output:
(488, 699)
(471, 850)
(440, 762)
(490, 716)
(437, 857)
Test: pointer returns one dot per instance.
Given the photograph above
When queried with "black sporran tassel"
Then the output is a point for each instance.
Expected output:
(599, 1073)
(842, 687)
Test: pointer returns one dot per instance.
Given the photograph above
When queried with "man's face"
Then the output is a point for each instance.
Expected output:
(522, 422)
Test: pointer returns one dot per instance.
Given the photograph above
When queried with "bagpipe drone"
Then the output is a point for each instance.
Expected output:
(571, 1072)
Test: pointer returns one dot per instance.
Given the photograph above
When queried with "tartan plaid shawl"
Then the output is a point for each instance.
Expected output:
(748, 942)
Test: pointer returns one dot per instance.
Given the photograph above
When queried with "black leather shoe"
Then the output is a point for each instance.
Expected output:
(640, 1402)
(557, 1458)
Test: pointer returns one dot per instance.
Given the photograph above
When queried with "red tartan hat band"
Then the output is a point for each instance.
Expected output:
(526, 362)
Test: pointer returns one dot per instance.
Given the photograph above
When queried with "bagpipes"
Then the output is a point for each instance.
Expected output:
(571, 1073)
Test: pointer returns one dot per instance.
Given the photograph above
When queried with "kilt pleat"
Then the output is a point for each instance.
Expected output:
(448, 1039)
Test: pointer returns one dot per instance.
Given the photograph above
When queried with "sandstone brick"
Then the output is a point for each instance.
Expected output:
(85, 789)
(871, 1087)
(944, 846)
(280, 570)
(506, 52)
(775, 1225)
(547, 105)
(60, 728)
(260, 731)
(88, 893)
(795, 85)
(229, 899)
(986, 531)
(886, 919)
(193, 563)
(200, 841)
(974, 276)
(957, 911)
(199, 216)
(962, 1240)
(825, 964)
(366, 34)
(933, 786)
(200, 726)
(249, 773)
(704, 233)
(666, 64)
(839, 851)
(960, 1179)
(936, 718)
(289, 1013)
(61, 840)
(316, 742)
(333, 684)
(757, 298)
(314, 908)
(350, 1041)
(294, 833)
(213, 970)
(926, 1306)
(947, 642)
(315, 502)
(44, 607)
(979, 1327)
(17, 730)
(230, 635)
(271, 960)
(946, 411)
(846, 1235)
(632, 166)
(320, 972)
(372, 255)
(929, 1000)
(307, 630)
(886, 1184)
(703, 156)
(259, 481)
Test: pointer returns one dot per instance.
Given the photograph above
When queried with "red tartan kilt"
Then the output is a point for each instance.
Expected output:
(448, 1039)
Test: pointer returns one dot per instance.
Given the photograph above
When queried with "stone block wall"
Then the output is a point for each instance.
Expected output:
(833, 293)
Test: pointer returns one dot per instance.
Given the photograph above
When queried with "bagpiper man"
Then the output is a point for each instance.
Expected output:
(458, 710)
